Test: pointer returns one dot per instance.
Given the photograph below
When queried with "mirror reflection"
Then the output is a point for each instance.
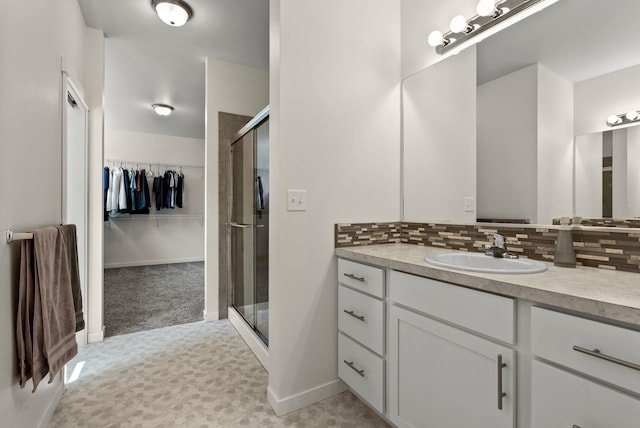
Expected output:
(555, 75)
(607, 174)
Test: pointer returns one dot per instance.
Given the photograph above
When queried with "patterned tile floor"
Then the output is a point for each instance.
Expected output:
(197, 375)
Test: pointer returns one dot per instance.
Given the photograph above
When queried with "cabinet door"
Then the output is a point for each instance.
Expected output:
(561, 399)
(444, 377)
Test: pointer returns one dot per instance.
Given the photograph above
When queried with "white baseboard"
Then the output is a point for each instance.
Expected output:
(97, 336)
(305, 398)
(252, 340)
(152, 262)
(53, 405)
(213, 316)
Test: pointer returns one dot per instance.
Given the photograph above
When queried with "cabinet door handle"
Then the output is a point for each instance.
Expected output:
(350, 364)
(575, 426)
(360, 317)
(352, 276)
(597, 354)
(501, 393)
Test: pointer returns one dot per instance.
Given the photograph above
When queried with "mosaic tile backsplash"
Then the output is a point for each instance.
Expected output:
(615, 249)
(606, 222)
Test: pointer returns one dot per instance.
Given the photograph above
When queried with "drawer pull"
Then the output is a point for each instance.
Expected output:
(352, 276)
(350, 364)
(501, 393)
(360, 317)
(597, 354)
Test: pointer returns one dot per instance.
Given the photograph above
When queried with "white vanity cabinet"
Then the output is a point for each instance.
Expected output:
(598, 383)
(441, 374)
(361, 325)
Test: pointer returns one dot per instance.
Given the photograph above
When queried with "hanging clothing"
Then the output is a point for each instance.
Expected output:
(180, 190)
(115, 189)
(105, 187)
(157, 191)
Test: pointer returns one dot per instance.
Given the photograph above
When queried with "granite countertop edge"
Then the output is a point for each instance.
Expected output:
(612, 295)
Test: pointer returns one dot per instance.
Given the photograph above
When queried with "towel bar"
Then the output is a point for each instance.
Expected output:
(16, 236)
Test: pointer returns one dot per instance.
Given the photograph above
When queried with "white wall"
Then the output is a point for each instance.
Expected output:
(507, 146)
(588, 175)
(335, 127)
(598, 98)
(94, 94)
(177, 237)
(33, 37)
(555, 146)
(439, 113)
(230, 88)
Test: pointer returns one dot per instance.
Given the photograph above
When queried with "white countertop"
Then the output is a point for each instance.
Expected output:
(600, 292)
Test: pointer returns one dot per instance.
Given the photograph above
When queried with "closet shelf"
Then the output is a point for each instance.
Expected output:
(158, 217)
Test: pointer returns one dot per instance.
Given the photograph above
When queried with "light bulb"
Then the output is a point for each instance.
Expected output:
(458, 24)
(435, 38)
(486, 7)
(613, 119)
(632, 115)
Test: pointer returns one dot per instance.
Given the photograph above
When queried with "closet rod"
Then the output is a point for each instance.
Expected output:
(153, 163)
(17, 236)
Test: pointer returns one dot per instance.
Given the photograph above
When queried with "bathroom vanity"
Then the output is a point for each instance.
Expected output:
(430, 346)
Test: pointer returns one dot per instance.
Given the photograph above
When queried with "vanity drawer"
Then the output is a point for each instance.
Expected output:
(562, 399)
(485, 313)
(362, 370)
(572, 342)
(367, 279)
(362, 318)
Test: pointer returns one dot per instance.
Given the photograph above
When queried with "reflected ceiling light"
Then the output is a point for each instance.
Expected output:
(492, 16)
(631, 116)
(162, 109)
(172, 12)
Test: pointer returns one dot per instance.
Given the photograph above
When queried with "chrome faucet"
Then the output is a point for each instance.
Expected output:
(499, 248)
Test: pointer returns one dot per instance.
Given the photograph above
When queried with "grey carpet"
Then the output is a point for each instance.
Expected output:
(147, 297)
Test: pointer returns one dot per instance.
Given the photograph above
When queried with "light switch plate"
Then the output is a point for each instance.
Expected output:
(469, 204)
(296, 200)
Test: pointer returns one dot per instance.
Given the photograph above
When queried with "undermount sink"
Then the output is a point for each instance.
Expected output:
(479, 262)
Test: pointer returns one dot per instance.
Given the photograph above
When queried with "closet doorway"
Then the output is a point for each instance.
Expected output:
(154, 237)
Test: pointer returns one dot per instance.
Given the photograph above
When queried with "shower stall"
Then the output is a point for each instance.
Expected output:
(250, 224)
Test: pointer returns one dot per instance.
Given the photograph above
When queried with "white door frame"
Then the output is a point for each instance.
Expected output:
(70, 87)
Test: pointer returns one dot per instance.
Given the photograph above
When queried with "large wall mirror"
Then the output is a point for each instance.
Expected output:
(544, 88)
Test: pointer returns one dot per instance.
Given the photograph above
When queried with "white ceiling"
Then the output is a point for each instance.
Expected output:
(147, 61)
(578, 39)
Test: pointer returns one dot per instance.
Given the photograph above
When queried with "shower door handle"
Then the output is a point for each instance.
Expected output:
(244, 226)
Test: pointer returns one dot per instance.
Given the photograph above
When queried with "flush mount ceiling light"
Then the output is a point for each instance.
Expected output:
(632, 116)
(162, 109)
(172, 12)
(492, 16)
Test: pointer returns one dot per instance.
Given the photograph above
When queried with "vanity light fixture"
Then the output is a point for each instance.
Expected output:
(492, 16)
(631, 116)
(163, 109)
(172, 12)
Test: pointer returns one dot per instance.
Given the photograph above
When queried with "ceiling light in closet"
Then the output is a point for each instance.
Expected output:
(172, 12)
(162, 109)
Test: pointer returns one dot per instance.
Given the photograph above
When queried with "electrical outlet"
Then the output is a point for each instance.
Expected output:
(296, 200)
(469, 204)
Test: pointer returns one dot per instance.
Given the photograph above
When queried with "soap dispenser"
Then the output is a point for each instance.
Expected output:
(565, 255)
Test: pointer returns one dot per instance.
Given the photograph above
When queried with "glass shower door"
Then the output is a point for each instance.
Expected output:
(242, 228)
(250, 228)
